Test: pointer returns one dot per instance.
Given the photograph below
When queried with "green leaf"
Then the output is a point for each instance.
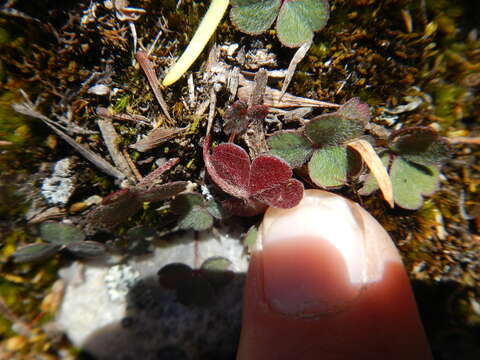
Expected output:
(218, 271)
(421, 145)
(192, 213)
(370, 184)
(354, 109)
(60, 234)
(331, 166)
(216, 210)
(87, 248)
(298, 19)
(254, 17)
(410, 181)
(332, 129)
(35, 252)
(291, 147)
(251, 239)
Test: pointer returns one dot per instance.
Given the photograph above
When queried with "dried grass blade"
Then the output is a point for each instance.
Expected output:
(110, 137)
(150, 178)
(156, 137)
(368, 154)
(272, 98)
(299, 56)
(95, 159)
(464, 140)
(148, 68)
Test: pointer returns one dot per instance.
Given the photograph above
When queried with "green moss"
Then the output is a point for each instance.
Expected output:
(447, 97)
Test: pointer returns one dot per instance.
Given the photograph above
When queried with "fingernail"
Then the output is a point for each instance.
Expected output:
(319, 255)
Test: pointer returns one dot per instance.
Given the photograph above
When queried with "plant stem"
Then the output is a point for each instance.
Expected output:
(204, 32)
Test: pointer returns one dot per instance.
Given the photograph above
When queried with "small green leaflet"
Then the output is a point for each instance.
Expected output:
(296, 21)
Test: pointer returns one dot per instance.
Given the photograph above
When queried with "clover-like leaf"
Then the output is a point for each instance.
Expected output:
(238, 115)
(193, 214)
(291, 147)
(267, 179)
(60, 234)
(87, 248)
(354, 109)
(332, 129)
(235, 118)
(218, 271)
(254, 16)
(421, 145)
(298, 19)
(35, 252)
(411, 182)
(333, 165)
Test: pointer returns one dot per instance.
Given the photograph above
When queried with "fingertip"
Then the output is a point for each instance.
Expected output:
(328, 280)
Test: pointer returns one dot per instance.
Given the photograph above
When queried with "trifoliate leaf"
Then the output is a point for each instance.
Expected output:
(35, 252)
(421, 145)
(298, 19)
(192, 213)
(60, 234)
(267, 179)
(331, 166)
(87, 248)
(218, 271)
(291, 147)
(235, 118)
(410, 181)
(216, 210)
(332, 129)
(354, 109)
(254, 16)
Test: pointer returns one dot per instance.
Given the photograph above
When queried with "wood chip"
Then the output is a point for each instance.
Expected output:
(463, 140)
(255, 136)
(48, 214)
(272, 98)
(258, 89)
(110, 137)
(374, 163)
(211, 111)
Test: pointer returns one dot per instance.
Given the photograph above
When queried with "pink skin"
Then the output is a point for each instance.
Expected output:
(300, 302)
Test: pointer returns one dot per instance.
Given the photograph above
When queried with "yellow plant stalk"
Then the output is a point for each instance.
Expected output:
(204, 32)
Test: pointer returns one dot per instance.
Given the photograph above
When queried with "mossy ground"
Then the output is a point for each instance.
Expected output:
(366, 50)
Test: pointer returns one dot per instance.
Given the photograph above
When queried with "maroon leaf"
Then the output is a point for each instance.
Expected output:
(235, 118)
(285, 195)
(229, 167)
(257, 112)
(160, 192)
(266, 180)
(266, 172)
(242, 207)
